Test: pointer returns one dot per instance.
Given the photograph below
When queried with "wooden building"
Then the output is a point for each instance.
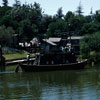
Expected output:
(52, 44)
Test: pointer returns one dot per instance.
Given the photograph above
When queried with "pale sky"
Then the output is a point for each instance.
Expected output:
(50, 7)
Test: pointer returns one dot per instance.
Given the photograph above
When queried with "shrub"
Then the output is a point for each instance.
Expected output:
(90, 47)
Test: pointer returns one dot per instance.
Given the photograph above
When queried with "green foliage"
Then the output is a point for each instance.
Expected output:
(27, 30)
(19, 13)
(5, 2)
(59, 13)
(56, 27)
(76, 23)
(94, 57)
(90, 47)
(89, 28)
(97, 16)
(4, 11)
(45, 21)
(5, 21)
(17, 3)
(68, 16)
(5, 33)
(26, 20)
(79, 9)
(29, 21)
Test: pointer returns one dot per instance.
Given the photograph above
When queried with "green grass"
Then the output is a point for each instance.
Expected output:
(16, 56)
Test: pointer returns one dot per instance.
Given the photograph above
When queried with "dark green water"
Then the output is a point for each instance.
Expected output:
(57, 85)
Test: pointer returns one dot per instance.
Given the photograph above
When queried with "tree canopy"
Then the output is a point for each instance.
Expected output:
(5, 34)
(90, 47)
(29, 20)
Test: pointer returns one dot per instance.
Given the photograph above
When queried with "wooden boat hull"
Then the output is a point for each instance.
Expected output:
(37, 68)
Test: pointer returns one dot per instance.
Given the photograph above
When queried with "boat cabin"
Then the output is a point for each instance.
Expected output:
(55, 58)
(52, 44)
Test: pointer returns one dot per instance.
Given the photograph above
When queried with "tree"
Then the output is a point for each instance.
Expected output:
(27, 30)
(76, 23)
(79, 9)
(68, 16)
(57, 27)
(28, 20)
(5, 2)
(45, 21)
(59, 13)
(19, 13)
(89, 18)
(90, 47)
(90, 28)
(35, 13)
(5, 34)
(97, 16)
(17, 3)
(5, 20)
(4, 10)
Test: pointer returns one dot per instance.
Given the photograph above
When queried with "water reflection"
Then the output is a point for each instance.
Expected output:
(57, 85)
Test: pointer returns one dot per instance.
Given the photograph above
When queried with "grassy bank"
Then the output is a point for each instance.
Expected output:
(16, 56)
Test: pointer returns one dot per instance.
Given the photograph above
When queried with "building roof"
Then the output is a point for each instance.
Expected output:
(53, 39)
(49, 42)
(75, 37)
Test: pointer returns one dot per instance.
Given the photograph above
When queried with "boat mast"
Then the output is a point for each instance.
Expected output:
(69, 33)
(38, 58)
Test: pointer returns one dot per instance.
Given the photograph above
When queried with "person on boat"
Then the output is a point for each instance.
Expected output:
(62, 48)
(28, 58)
(67, 62)
(52, 62)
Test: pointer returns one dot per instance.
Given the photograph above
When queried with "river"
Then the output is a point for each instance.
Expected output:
(55, 85)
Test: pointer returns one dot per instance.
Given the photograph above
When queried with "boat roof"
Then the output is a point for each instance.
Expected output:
(75, 37)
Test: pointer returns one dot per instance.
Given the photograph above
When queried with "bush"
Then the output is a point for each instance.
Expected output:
(90, 47)
(94, 57)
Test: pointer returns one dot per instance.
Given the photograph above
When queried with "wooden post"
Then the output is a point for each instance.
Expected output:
(70, 36)
(2, 60)
(0, 55)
